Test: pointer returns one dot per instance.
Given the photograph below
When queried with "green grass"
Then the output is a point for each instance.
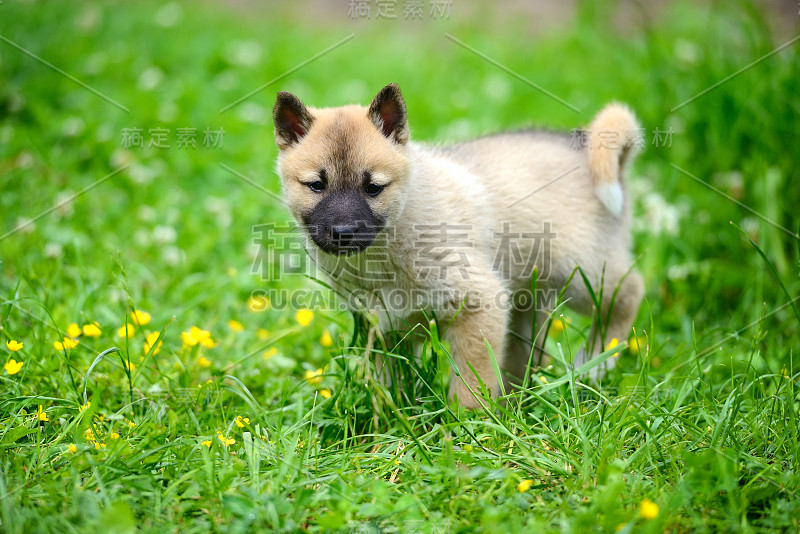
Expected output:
(701, 420)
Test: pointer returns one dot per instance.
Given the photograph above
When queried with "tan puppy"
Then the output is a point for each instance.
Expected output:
(459, 229)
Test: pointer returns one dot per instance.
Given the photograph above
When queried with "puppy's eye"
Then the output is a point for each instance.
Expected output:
(373, 190)
(317, 187)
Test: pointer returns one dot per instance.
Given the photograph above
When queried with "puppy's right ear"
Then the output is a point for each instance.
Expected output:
(292, 120)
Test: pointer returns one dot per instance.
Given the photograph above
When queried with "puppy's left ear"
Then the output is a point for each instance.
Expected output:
(388, 113)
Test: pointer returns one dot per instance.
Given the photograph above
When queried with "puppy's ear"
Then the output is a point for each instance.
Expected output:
(292, 119)
(388, 112)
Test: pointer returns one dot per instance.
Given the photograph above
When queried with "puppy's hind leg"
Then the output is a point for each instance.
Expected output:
(519, 342)
(617, 316)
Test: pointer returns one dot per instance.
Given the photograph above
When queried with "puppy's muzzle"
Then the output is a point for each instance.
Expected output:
(343, 223)
(343, 238)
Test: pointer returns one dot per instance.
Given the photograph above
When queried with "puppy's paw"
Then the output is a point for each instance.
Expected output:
(595, 373)
(460, 392)
(580, 357)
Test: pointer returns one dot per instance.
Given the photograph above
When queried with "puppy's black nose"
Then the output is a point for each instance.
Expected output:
(341, 234)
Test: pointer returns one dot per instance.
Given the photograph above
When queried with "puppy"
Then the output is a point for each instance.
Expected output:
(461, 229)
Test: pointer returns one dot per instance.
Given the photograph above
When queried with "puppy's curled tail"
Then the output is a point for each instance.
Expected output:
(614, 136)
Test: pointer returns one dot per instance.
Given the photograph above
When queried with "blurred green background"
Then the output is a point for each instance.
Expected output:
(176, 66)
(172, 233)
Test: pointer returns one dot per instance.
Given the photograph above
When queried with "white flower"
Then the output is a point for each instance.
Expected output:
(243, 53)
(53, 250)
(163, 234)
(150, 78)
(169, 15)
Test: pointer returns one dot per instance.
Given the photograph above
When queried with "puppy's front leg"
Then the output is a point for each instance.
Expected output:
(466, 336)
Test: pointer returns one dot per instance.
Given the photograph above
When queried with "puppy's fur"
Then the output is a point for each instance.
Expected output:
(385, 214)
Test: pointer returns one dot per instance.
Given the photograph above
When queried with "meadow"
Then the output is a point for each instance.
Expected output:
(158, 373)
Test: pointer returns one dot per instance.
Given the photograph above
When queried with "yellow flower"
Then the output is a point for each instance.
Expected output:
(525, 485)
(13, 345)
(637, 343)
(92, 330)
(113, 435)
(68, 343)
(72, 448)
(82, 407)
(236, 326)
(125, 330)
(314, 377)
(262, 334)
(257, 303)
(270, 352)
(304, 316)
(150, 340)
(189, 338)
(241, 422)
(74, 330)
(225, 441)
(12, 366)
(202, 361)
(130, 366)
(648, 509)
(558, 325)
(196, 336)
(207, 443)
(543, 380)
(326, 393)
(131, 424)
(326, 340)
(41, 415)
(99, 445)
(611, 344)
(139, 317)
(89, 435)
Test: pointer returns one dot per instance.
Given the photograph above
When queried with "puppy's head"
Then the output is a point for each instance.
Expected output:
(344, 170)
